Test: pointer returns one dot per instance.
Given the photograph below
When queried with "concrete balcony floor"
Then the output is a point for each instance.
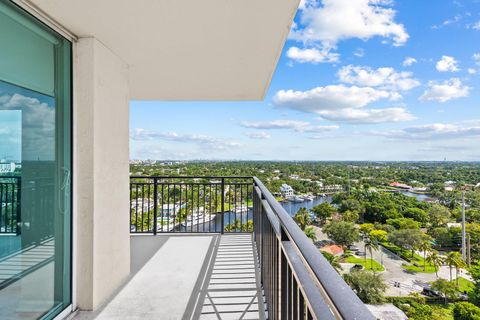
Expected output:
(188, 276)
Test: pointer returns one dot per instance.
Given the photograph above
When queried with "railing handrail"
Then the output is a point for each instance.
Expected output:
(191, 177)
(344, 299)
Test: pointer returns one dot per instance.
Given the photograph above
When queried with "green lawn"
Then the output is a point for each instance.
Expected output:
(464, 285)
(368, 266)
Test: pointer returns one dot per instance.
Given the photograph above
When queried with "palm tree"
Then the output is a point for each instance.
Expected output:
(310, 233)
(370, 245)
(425, 246)
(453, 260)
(435, 260)
(334, 260)
(302, 218)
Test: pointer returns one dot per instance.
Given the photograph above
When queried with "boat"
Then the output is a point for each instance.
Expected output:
(309, 197)
(296, 199)
(198, 218)
(240, 209)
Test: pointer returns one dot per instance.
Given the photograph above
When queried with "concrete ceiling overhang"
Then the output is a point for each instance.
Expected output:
(185, 49)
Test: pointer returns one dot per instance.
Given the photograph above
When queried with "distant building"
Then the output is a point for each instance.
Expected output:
(7, 167)
(286, 190)
(400, 185)
(333, 249)
(294, 176)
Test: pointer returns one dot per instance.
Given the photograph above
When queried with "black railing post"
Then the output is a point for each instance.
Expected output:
(155, 205)
(223, 205)
(19, 206)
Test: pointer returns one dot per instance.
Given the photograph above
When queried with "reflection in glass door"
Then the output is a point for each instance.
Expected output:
(35, 168)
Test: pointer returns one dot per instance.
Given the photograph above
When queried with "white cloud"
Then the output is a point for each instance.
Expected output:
(343, 104)
(476, 58)
(471, 71)
(385, 78)
(38, 125)
(475, 26)
(368, 116)
(337, 20)
(330, 97)
(298, 126)
(447, 90)
(312, 55)
(140, 134)
(447, 22)
(258, 135)
(276, 124)
(409, 61)
(447, 64)
(359, 52)
(433, 131)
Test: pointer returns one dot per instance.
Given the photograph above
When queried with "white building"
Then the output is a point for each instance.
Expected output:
(286, 190)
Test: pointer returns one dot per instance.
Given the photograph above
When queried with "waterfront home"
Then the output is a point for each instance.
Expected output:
(286, 191)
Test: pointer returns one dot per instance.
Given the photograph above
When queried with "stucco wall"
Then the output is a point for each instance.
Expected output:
(101, 173)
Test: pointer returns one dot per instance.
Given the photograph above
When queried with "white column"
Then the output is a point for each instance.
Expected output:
(101, 238)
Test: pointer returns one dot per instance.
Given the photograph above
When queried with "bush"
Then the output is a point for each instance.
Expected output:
(466, 311)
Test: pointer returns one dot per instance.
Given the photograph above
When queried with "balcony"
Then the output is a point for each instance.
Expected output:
(223, 248)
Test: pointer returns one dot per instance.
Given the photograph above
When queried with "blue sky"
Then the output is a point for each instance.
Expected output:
(357, 80)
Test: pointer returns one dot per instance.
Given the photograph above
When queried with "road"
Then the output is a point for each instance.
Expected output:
(394, 273)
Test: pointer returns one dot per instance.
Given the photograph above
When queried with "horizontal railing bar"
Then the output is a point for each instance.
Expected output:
(316, 302)
(345, 300)
(191, 177)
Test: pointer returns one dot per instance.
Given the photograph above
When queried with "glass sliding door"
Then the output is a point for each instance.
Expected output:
(35, 167)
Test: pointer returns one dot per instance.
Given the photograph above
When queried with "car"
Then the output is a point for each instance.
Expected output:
(361, 253)
(357, 267)
(352, 248)
(430, 292)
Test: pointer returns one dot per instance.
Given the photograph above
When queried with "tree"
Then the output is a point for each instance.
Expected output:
(368, 286)
(310, 233)
(333, 260)
(439, 215)
(350, 216)
(343, 233)
(453, 260)
(404, 223)
(416, 214)
(425, 246)
(323, 211)
(378, 235)
(474, 295)
(435, 260)
(406, 238)
(366, 228)
(446, 288)
(466, 311)
(302, 218)
(370, 245)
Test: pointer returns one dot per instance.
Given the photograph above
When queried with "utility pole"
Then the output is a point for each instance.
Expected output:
(464, 244)
(468, 250)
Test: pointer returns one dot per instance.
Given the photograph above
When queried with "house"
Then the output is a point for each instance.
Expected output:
(333, 249)
(286, 190)
(72, 67)
(400, 185)
(294, 176)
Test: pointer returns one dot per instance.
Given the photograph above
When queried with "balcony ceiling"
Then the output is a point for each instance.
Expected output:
(185, 50)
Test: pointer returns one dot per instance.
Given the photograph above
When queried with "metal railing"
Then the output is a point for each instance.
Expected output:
(191, 204)
(10, 207)
(298, 281)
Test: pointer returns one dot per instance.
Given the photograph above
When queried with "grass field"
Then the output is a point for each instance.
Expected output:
(464, 285)
(368, 266)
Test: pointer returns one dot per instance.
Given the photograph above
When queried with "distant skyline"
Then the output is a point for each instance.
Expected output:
(357, 80)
